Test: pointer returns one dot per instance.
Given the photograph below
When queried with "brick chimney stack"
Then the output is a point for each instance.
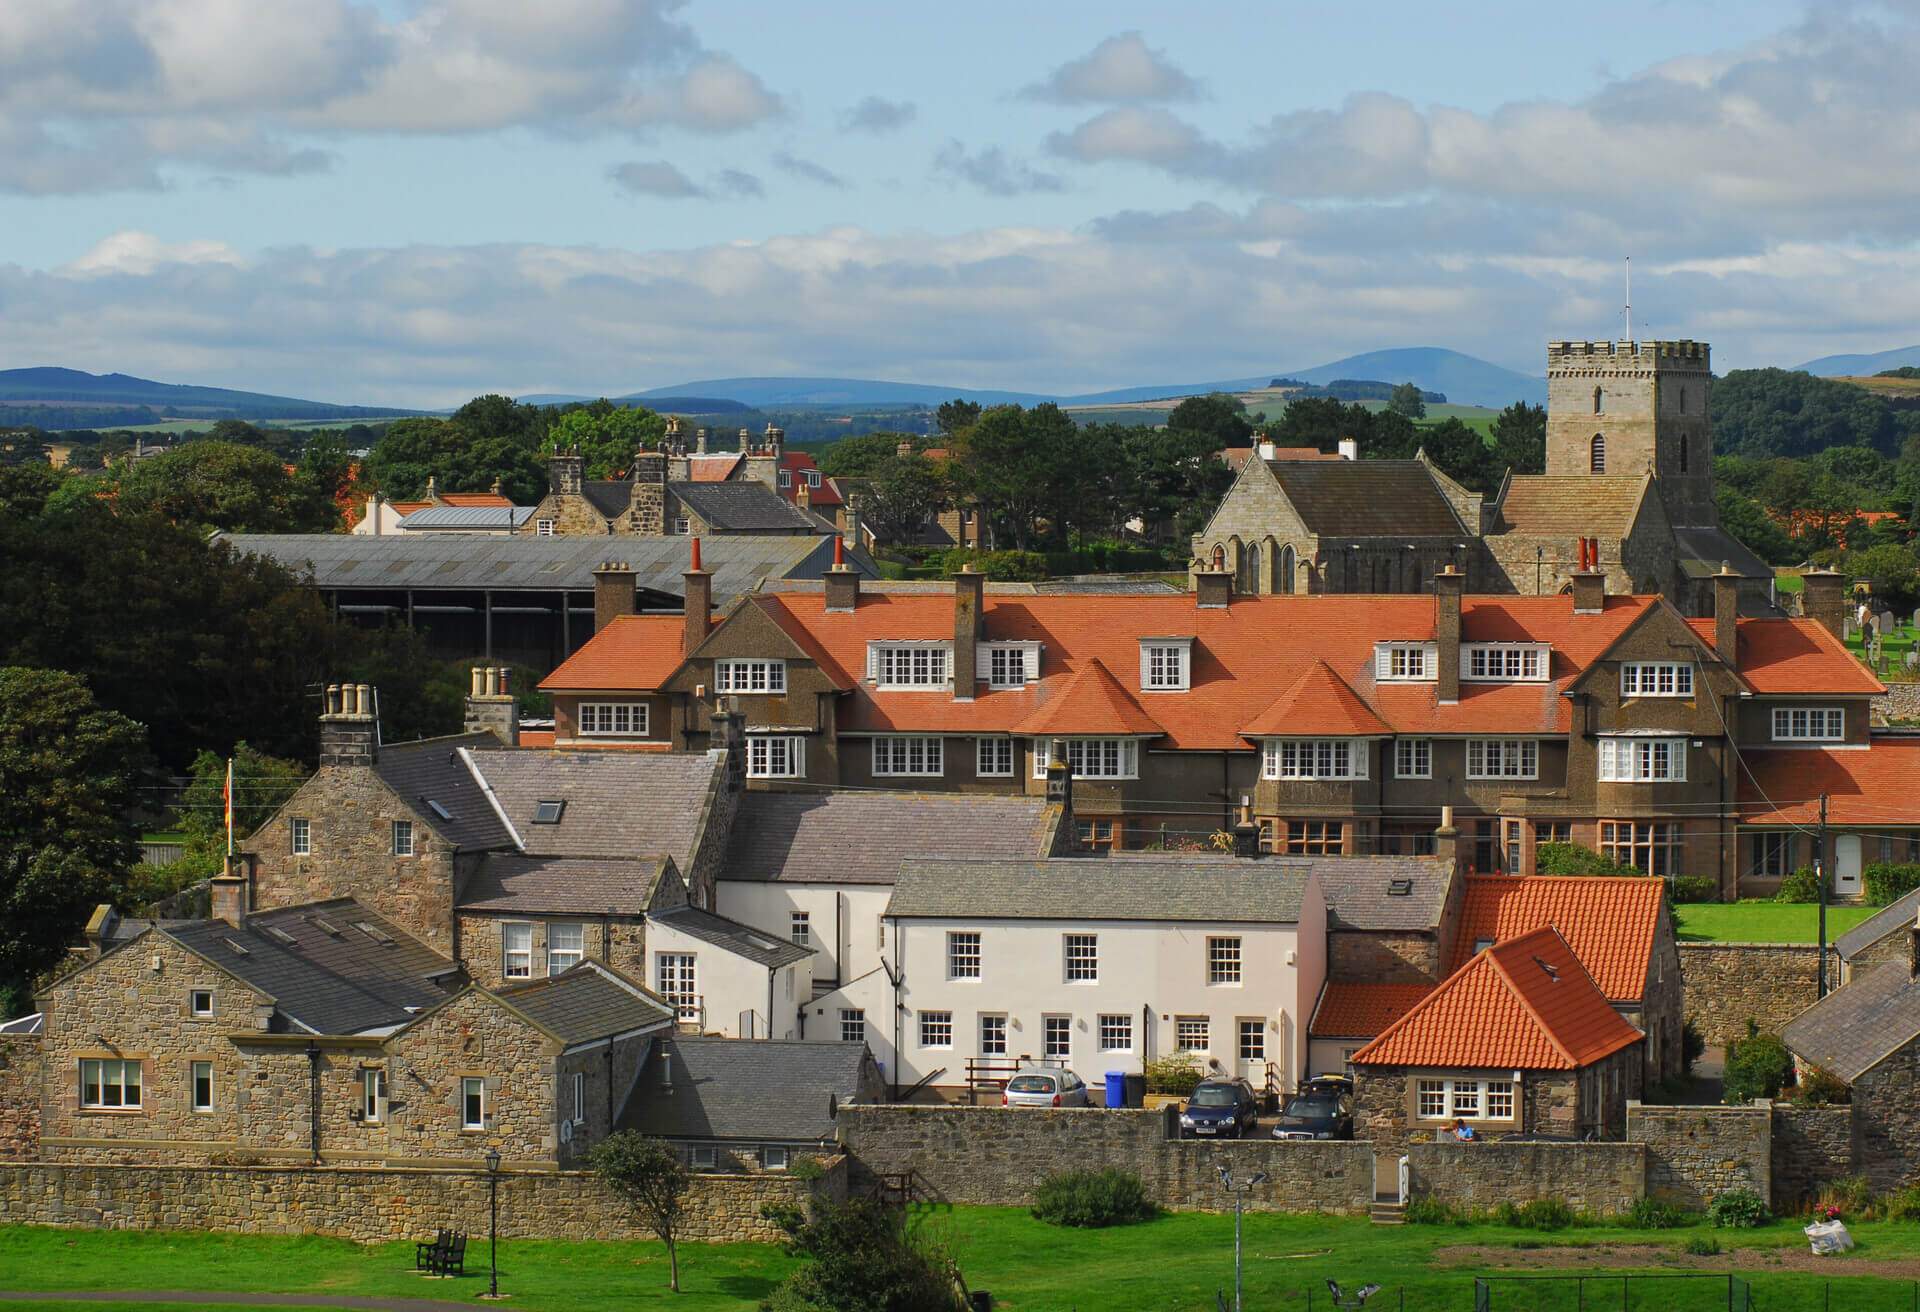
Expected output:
(969, 624)
(1726, 613)
(842, 586)
(1448, 585)
(1823, 597)
(1590, 580)
(491, 707)
(699, 586)
(612, 593)
(349, 731)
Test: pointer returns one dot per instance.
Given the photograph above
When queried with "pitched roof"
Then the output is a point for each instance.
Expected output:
(470, 518)
(506, 882)
(1319, 702)
(1794, 655)
(742, 506)
(1525, 1004)
(860, 836)
(1569, 505)
(475, 499)
(1854, 1028)
(752, 1090)
(1361, 1010)
(1089, 701)
(713, 468)
(1609, 922)
(1169, 886)
(742, 940)
(1366, 498)
(588, 1001)
(1897, 915)
(612, 497)
(1365, 892)
(331, 967)
(1702, 551)
(430, 777)
(618, 804)
(1871, 787)
(633, 652)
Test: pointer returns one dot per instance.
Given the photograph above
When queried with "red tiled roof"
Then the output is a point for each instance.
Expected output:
(633, 653)
(1091, 701)
(405, 508)
(493, 499)
(1609, 922)
(1877, 786)
(1303, 453)
(1320, 702)
(1525, 1004)
(1794, 655)
(1360, 1011)
(711, 468)
(536, 737)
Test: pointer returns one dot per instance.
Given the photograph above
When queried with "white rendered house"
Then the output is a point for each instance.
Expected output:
(726, 978)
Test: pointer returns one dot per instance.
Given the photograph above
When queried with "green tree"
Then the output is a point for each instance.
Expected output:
(67, 770)
(1777, 412)
(1520, 440)
(1891, 572)
(219, 485)
(1017, 465)
(860, 1258)
(325, 475)
(1220, 418)
(865, 454)
(901, 496)
(956, 416)
(606, 439)
(261, 786)
(1753, 528)
(1406, 400)
(1460, 453)
(649, 1177)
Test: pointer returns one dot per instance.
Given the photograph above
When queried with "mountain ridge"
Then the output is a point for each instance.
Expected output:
(1860, 366)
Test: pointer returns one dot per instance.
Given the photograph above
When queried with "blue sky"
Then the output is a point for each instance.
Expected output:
(412, 202)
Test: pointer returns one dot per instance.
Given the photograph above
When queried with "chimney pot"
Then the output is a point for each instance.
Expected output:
(1349, 448)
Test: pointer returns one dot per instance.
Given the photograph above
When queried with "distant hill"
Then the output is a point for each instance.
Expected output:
(679, 405)
(68, 398)
(1860, 366)
(1465, 379)
(772, 393)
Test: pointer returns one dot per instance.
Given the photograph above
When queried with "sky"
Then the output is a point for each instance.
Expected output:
(408, 202)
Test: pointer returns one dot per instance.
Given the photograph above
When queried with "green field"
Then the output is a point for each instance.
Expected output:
(1177, 1261)
(202, 425)
(1763, 922)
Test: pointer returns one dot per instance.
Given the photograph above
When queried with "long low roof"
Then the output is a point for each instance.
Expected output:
(458, 561)
(1173, 887)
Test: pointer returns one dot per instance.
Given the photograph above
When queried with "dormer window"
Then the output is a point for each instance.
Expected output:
(909, 665)
(1656, 679)
(813, 478)
(1504, 662)
(1009, 664)
(1166, 664)
(1406, 662)
(750, 676)
(786, 478)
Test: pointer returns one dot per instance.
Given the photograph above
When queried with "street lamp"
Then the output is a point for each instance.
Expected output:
(1239, 1191)
(493, 1223)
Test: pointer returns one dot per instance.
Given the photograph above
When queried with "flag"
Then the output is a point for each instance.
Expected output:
(229, 800)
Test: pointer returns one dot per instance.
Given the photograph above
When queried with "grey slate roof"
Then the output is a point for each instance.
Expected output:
(548, 885)
(430, 771)
(587, 1002)
(861, 837)
(743, 507)
(1360, 891)
(1896, 915)
(620, 804)
(1366, 498)
(1851, 1030)
(470, 518)
(752, 1090)
(1170, 886)
(1702, 550)
(741, 940)
(611, 497)
(334, 977)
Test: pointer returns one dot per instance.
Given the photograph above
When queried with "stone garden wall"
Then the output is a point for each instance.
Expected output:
(20, 1064)
(1601, 1178)
(1812, 1147)
(1729, 983)
(1696, 1153)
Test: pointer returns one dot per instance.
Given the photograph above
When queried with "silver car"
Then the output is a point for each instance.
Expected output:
(1045, 1086)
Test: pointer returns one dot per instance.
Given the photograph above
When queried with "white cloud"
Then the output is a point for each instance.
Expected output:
(1120, 70)
(994, 171)
(788, 162)
(141, 254)
(875, 114)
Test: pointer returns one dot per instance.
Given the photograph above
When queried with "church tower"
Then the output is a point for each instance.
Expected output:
(1633, 408)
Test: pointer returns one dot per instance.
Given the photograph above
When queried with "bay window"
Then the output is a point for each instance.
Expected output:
(1313, 758)
(1091, 758)
(1643, 760)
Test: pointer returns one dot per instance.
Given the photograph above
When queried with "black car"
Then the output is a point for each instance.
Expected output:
(1316, 1114)
(1219, 1109)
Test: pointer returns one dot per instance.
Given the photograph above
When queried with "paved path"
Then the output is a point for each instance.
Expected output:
(238, 1299)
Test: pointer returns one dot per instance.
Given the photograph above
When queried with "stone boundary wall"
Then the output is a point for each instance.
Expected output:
(1812, 1147)
(1697, 1153)
(1902, 702)
(373, 1205)
(996, 1156)
(1601, 1178)
(1728, 983)
(21, 1060)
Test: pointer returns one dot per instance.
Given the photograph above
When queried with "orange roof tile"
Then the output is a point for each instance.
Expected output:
(712, 468)
(405, 508)
(1320, 702)
(1872, 787)
(1794, 655)
(492, 499)
(1526, 1004)
(1360, 1011)
(536, 737)
(634, 653)
(1609, 922)
(1091, 701)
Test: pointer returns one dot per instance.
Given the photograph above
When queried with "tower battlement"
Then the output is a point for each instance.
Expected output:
(1683, 354)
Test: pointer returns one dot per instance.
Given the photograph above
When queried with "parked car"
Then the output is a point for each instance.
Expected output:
(1045, 1086)
(1224, 1109)
(1316, 1114)
(1339, 1084)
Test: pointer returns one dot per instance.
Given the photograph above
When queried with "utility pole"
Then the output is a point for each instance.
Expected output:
(1820, 877)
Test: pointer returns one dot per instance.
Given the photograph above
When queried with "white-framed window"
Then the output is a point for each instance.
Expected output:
(473, 1102)
(200, 1076)
(1431, 1104)
(566, 946)
(1406, 662)
(750, 676)
(613, 719)
(1009, 664)
(1083, 958)
(786, 478)
(200, 1003)
(963, 954)
(1499, 1100)
(676, 979)
(901, 665)
(543, 528)
(1093, 758)
(1116, 1032)
(704, 1157)
(813, 478)
(1413, 758)
(682, 526)
(1165, 666)
(1467, 1100)
(516, 949)
(1253, 1039)
(993, 1036)
(403, 838)
(1503, 758)
(373, 1094)
(853, 1025)
(800, 928)
(1056, 1035)
(936, 1029)
(773, 1157)
(1772, 854)
(1190, 1033)
(1656, 679)
(909, 756)
(1503, 662)
(1223, 960)
(579, 1098)
(300, 836)
(1643, 760)
(771, 756)
(1313, 758)
(1824, 724)
(993, 757)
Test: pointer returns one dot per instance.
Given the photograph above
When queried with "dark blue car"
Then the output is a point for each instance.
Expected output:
(1219, 1109)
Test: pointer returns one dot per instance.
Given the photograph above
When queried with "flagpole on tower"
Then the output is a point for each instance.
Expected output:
(1629, 305)
(229, 800)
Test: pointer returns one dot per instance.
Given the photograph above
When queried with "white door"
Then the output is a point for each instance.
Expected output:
(1846, 866)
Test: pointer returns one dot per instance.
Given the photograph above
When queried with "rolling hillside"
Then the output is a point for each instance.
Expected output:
(1856, 366)
(69, 398)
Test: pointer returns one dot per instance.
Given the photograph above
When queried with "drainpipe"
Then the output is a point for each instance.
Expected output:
(609, 1084)
(313, 1096)
(771, 971)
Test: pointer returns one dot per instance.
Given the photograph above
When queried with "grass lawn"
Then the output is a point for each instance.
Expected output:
(1763, 922)
(1177, 1261)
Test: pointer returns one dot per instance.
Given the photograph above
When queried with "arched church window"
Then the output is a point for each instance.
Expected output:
(1596, 400)
(1285, 582)
(1683, 453)
(1597, 454)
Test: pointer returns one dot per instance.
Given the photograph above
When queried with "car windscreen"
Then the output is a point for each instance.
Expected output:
(1030, 1084)
(1310, 1108)
(1213, 1095)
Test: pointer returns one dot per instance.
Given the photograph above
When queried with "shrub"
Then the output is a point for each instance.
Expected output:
(1819, 1088)
(1738, 1209)
(1176, 1073)
(1887, 882)
(1803, 885)
(1433, 1211)
(1701, 1245)
(1540, 1214)
(1651, 1214)
(1757, 1067)
(1848, 1196)
(1001, 566)
(1693, 1045)
(1902, 1204)
(1693, 888)
(1091, 1199)
(1573, 859)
